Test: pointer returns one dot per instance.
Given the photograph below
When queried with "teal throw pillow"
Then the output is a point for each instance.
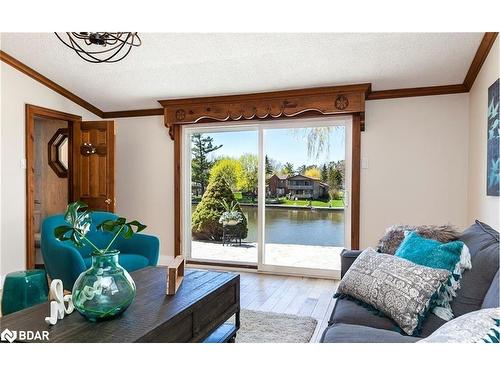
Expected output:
(430, 253)
(451, 256)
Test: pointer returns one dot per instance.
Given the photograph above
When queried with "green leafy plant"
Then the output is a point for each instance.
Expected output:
(79, 221)
(231, 213)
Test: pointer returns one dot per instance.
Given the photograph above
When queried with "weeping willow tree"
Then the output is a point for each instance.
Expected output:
(318, 139)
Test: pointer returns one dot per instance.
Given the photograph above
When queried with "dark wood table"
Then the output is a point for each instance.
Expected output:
(200, 311)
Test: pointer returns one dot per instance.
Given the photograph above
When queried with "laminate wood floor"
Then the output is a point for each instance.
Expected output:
(289, 295)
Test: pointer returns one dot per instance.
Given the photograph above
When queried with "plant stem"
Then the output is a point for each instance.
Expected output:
(114, 238)
(86, 239)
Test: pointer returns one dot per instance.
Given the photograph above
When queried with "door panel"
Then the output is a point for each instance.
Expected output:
(93, 164)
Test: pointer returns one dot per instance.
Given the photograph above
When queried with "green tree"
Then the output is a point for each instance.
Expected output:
(288, 169)
(231, 171)
(250, 166)
(205, 218)
(324, 173)
(201, 146)
(269, 166)
(335, 182)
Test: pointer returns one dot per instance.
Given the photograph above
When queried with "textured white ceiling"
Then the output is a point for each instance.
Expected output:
(186, 65)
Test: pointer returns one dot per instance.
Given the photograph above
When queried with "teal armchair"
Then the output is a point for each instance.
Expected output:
(65, 261)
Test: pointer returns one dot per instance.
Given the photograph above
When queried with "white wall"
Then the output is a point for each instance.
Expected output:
(145, 177)
(17, 90)
(417, 163)
(482, 207)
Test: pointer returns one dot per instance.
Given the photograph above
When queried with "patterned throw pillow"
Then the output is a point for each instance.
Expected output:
(400, 289)
(477, 326)
(396, 234)
(452, 256)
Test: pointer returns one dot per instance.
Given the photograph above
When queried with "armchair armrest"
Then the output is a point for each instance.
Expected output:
(347, 258)
(142, 244)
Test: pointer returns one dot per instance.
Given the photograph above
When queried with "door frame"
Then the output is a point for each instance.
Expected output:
(260, 128)
(32, 112)
(312, 102)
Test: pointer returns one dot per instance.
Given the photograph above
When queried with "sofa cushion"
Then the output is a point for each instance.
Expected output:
(478, 237)
(483, 243)
(349, 333)
(349, 312)
(492, 298)
(131, 262)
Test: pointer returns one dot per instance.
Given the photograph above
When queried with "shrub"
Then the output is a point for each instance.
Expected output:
(205, 219)
(335, 194)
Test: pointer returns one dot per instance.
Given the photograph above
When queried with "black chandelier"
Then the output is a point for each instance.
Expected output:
(101, 47)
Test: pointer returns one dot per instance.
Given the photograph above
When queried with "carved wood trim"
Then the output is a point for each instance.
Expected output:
(273, 105)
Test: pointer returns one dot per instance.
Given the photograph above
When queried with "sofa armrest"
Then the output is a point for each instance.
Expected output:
(347, 258)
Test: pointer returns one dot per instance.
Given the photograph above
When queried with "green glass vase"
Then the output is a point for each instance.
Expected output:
(105, 290)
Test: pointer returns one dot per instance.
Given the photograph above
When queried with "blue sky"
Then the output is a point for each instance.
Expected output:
(282, 145)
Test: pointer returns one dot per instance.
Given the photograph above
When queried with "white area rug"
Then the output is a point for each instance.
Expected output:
(267, 327)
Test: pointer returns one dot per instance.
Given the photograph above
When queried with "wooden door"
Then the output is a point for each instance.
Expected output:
(94, 164)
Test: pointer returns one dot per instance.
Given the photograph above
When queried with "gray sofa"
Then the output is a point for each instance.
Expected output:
(352, 323)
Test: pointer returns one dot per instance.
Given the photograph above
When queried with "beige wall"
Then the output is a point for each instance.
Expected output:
(145, 177)
(480, 206)
(17, 90)
(416, 150)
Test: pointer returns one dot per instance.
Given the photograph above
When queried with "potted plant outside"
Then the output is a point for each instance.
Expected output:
(231, 216)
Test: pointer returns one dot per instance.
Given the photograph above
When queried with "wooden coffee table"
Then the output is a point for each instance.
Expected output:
(200, 311)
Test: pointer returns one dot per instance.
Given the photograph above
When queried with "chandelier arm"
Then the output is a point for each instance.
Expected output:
(113, 55)
(114, 43)
(76, 46)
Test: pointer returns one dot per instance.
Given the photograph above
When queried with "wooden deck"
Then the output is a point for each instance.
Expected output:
(289, 295)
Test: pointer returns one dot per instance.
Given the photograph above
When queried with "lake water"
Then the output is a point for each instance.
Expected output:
(298, 226)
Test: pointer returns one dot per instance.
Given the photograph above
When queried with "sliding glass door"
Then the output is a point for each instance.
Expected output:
(306, 201)
(273, 194)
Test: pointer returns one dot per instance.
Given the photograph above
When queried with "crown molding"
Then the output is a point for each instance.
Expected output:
(16, 64)
(134, 113)
(476, 64)
(479, 59)
(417, 91)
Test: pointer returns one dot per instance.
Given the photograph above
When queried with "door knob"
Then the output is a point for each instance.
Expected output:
(108, 201)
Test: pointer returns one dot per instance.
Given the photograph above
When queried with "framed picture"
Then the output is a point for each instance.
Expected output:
(493, 153)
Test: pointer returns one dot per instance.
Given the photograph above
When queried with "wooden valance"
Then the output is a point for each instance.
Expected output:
(269, 105)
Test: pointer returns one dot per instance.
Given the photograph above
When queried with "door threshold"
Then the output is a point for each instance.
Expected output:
(232, 267)
(190, 262)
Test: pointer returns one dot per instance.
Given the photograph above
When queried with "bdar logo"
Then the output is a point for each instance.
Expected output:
(8, 335)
